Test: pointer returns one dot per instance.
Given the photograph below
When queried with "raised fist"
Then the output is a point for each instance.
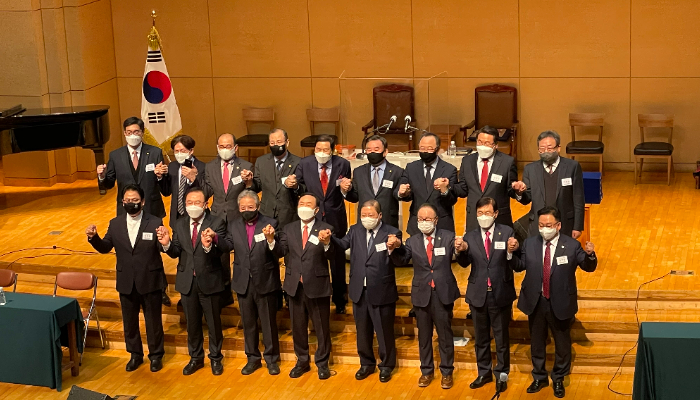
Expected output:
(324, 237)
(519, 187)
(163, 235)
(513, 244)
(460, 244)
(393, 242)
(269, 233)
(404, 189)
(291, 182)
(589, 248)
(345, 185)
(91, 231)
(441, 184)
(101, 170)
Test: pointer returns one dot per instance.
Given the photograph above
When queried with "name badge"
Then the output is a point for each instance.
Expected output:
(496, 178)
(259, 237)
(566, 182)
(562, 260)
(314, 240)
(388, 184)
(236, 180)
(440, 251)
(284, 179)
(147, 236)
(380, 247)
(499, 245)
(150, 167)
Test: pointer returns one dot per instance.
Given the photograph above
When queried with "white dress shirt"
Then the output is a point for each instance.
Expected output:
(199, 230)
(480, 165)
(132, 226)
(310, 226)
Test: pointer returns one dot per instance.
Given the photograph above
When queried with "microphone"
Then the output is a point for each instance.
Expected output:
(391, 121)
(408, 121)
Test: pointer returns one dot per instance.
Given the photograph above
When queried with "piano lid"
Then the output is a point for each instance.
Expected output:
(49, 116)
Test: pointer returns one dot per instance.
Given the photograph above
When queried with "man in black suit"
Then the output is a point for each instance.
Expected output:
(378, 180)
(271, 171)
(555, 181)
(488, 173)
(433, 291)
(548, 294)
(183, 174)
(321, 174)
(256, 280)
(140, 275)
(198, 242)
(429, 180)
(306, 247)
(372, 289)
(490, 291)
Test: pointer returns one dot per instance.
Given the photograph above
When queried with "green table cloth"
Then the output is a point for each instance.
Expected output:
(32, 329)
(666, 367)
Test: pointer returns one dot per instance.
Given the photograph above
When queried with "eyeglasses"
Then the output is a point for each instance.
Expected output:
(554, 225)
(426, 219)
(195, 203)
(480, 143)
(137, 132)
(547, 149)
(487, 213)
(428, 149)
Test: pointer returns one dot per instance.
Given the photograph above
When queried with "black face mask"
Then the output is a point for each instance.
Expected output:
(132, 208)
(375, 158)
(249, 215)
(428, 157)
(277, 151)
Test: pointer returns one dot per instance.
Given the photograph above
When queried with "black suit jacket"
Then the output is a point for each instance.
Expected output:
(278, 202)
(562, 282)
(210, 272)
(414, 174)
(388, 197)
(496, 267)
(257, 262)
(375, 266)
(332, 206)
(469, 186)
(570, 198)
(445, 281)
(171, 186)
(310, 262)
(141, 264)
(120, 171)
(225, 204)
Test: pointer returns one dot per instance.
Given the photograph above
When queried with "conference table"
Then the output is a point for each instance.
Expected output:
(32, 330)
(667, 359)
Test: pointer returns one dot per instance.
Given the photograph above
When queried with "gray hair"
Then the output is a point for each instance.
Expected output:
(547, 134)
(251, 194)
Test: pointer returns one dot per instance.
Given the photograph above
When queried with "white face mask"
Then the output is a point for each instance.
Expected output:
(485, 151)
(485, 221)
(133, 140)
(548, 233)
(194, 211)
(322, 157)
(181, 157)
(306, 213)
(369, 222)
(226, 154)
(427, 227)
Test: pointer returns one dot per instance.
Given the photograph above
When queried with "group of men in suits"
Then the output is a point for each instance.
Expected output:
(302, 219)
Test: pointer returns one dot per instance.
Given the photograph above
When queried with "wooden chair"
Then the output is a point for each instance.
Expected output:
(253, 116)
(320, 116)
(8, 278)
(81, 281)
(663, 150)
(587, 148)
(496, 106)
(391, 100)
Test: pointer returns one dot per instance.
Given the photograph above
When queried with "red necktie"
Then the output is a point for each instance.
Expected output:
(546, 271)
(429, 251)
(324, 179)
(225, 176)
(304, 239)
(135, 160)
(484, 173)
(487, 247)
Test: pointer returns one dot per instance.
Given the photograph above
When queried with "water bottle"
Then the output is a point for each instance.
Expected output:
(3, 300)
(452, 150)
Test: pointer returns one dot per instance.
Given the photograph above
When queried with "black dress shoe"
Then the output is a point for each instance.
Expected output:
(192, 367)
(384, 375)
(133, 364)
(217, 367)
(166, 299)
(324, 373)
(340, 309)
(469, 315)
(537, 385)
(298, 371)
(481, 381)
(156, 365)
(273, 369)
(558, 389)
(251, 367)
(412, 312)
(364, 372)
(501, 386)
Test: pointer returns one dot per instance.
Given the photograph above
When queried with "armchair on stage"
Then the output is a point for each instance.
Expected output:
(390, 100)
(496, 106)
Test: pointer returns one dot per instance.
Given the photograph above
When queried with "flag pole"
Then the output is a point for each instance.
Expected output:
(154, 39)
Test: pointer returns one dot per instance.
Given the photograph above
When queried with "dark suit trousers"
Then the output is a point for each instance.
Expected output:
(151, 303)
(195, 304)
(339, 280)
(368, 320)
(541, 319)
(485, 318)
(252, 306)
(438, 315)
(300, 308)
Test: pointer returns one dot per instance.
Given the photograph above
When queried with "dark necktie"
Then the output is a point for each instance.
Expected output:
(370, 242)
(375, 180)
(181, 194)
(428, 178)
(194, 233)
(546, 271)
(484, 173)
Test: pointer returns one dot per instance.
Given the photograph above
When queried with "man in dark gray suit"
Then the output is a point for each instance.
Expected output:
(554, 181)
(377, 180)
(488, 173)
(271, 171)
(183, 174)
(548, 294)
